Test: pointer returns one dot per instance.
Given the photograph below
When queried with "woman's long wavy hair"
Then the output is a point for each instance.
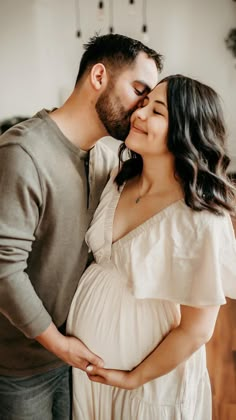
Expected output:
(196, 138)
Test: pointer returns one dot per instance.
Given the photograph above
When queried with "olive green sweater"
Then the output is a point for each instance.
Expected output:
(49, 190)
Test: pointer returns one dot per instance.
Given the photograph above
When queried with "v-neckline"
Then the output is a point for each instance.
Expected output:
(136, 230)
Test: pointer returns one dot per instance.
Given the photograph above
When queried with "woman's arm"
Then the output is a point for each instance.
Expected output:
(195, 329)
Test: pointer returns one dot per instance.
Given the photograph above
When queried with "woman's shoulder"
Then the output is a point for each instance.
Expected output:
(201, 219)
(186, 230)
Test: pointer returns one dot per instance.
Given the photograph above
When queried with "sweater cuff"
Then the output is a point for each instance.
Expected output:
(37, 325)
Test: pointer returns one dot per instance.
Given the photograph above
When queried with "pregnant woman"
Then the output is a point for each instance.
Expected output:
(164, 260)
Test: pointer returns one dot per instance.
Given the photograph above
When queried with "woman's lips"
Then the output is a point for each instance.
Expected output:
(138, 130)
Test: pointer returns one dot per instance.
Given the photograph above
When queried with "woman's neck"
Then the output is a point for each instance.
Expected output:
(158, 176)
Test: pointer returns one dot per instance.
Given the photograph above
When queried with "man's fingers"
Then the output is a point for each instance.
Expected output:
(94, 370)
(91, 357)
(91, 370)
(95, 360)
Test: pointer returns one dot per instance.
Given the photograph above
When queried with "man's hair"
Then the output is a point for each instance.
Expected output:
(115, 52)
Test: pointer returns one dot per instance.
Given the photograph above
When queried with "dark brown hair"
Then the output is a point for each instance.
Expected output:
(114, 51)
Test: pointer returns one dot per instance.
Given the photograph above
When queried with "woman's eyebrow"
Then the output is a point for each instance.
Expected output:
(161, 103)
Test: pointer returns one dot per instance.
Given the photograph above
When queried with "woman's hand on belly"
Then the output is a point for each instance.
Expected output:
(118, 378)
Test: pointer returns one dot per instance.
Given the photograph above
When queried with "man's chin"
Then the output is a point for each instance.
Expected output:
(118, 136)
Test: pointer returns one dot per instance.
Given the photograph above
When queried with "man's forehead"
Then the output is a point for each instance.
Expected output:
(145, 71)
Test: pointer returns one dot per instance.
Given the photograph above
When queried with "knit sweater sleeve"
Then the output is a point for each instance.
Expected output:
(20, 206)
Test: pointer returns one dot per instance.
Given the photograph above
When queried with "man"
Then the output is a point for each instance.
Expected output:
(52, 172)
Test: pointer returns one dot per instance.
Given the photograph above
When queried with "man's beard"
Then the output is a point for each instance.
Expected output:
(113, 115)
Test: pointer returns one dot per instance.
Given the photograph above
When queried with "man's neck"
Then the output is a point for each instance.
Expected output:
(79, 124)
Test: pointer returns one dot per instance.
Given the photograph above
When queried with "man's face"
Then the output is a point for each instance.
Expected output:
(123, 94)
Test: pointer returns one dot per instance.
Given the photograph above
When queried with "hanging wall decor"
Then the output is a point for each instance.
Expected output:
(77, 19)
(131, 7)
(145, 35)
(231, 41)
(111, 18)
(105, 16)
(101, 11)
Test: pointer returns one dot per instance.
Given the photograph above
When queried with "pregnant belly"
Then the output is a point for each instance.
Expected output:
(113, 324)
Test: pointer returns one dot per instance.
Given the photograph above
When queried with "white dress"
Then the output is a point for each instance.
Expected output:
(129, 299)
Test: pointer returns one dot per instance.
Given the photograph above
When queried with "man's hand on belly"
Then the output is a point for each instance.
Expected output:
(69, 349)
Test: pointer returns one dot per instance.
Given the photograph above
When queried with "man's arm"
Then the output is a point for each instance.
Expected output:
(20, 204)
(69, 349)
(21, 201)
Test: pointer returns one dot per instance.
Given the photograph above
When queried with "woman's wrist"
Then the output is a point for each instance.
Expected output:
(135, 378)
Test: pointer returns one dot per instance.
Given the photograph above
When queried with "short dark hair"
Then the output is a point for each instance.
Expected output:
(196, 138)
(114, 51)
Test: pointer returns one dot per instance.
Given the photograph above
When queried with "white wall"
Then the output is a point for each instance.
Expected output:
(40, 54)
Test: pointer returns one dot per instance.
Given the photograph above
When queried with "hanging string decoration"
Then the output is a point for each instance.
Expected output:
(111, 17)
(101, 16)
(77, 19)
(230, 41)
(145, 36)
(131, 7)
(100, 11)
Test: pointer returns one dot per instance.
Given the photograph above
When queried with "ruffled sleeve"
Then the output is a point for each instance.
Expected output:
(187, 257)
(98, 236)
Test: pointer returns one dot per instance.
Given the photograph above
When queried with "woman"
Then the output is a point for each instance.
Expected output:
(165, 258)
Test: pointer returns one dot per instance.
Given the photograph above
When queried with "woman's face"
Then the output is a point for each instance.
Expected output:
(149, 124)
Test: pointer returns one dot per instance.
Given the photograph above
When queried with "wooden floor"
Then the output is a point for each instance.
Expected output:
(221, 359)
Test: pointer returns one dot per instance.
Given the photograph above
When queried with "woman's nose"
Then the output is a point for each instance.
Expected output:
(141, 113)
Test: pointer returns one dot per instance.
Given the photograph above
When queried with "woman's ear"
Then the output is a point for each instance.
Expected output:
(98, 76)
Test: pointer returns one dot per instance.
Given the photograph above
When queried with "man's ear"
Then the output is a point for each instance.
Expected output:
(98, 76)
